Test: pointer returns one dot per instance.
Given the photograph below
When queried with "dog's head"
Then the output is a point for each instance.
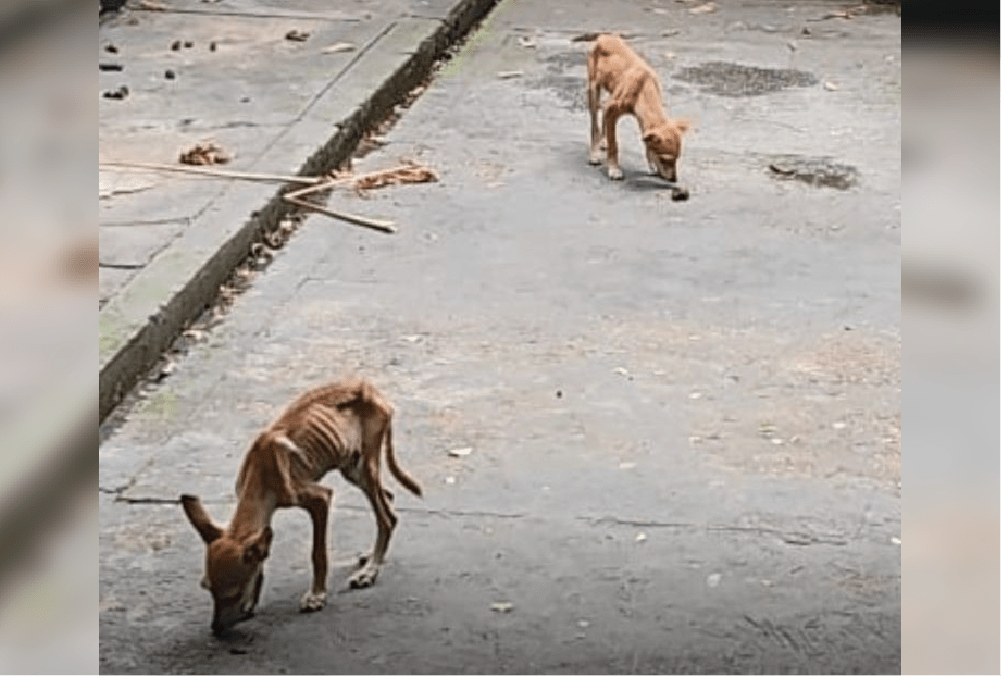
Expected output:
(663, 146)
(233, 568)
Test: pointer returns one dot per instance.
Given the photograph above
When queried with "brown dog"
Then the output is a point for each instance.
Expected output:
(343, 426)
(635, 90)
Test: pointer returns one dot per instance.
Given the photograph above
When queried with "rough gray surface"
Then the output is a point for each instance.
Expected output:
(277, 106)
(684, 416)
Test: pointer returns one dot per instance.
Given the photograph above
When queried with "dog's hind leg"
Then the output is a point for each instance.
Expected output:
(315, 499)
(368, 480)
(385, 520)
(593, 107)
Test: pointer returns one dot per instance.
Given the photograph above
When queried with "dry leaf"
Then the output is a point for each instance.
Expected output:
(830, 86)
(460, 452)
(297, 35)
(410, 174)
(501, 607)
(508, 74)
(204, 153)
(641, 537)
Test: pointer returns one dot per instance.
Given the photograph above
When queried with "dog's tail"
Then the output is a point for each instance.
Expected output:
(408, 482)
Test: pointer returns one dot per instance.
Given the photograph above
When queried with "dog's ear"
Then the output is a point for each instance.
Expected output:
(683, 125)
(259, 547)
(200, 519)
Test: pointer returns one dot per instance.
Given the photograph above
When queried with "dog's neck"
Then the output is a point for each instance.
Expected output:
(649, 110)
(256, 504)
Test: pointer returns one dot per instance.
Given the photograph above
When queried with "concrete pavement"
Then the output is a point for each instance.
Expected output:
(685, 417)
(227, 73)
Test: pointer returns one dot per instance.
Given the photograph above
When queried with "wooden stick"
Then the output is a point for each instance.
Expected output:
(374, 224)
(219, 173)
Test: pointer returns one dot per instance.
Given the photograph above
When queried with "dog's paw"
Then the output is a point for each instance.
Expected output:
(363, 578)
(594, 159)
(615, 173)
(312, 601)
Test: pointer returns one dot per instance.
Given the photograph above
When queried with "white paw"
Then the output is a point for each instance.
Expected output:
(364, 577)
(594, 159)
(312, 601)
(615, 173)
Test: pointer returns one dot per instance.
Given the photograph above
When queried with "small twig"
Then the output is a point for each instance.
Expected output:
(218, 173)
(121, 266)
(835, 15)
(374, 224)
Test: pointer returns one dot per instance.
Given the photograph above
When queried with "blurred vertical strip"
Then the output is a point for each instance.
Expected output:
(950, 302)
(48, 338)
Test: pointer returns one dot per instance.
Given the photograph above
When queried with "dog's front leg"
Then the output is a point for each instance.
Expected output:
(610, 118)
(653, 163)
(316, 501)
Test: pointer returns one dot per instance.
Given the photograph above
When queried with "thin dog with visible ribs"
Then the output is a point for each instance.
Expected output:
(341, 426)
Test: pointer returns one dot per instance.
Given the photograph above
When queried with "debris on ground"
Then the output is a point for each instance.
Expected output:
(169, 74)
(111, 49)
(713, 580)
(117, 94)
(175, 46)
(408, 173)
(501, 607)
(297, 35)
(707, 8)
(526, 42)
(212, 46)
(509, 74)
(641, 537)
(114, 67)
(151, 6)
(781, 171)
(592, 36)
(204, 153)
(830, 86)
(339, 48)
(460, 452)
